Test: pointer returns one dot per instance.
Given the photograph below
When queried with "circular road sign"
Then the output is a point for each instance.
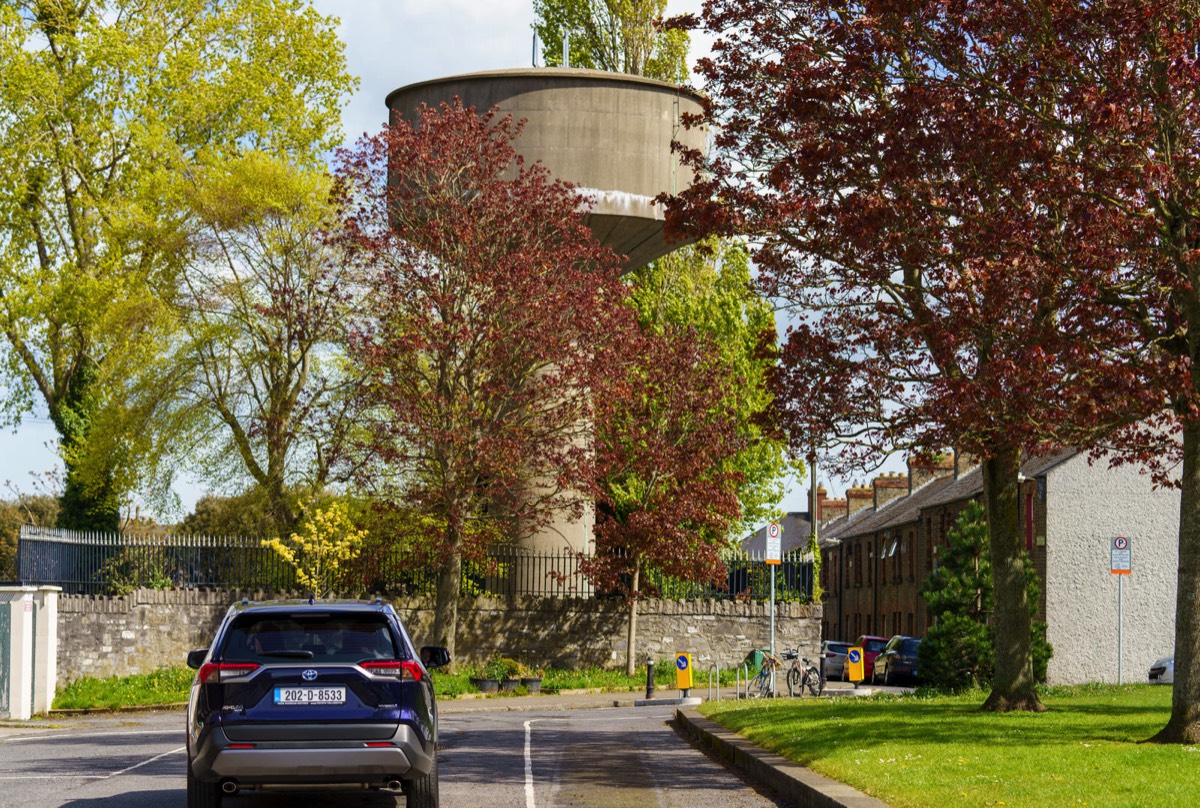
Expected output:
(1121, 543)
(773, 530)
(854, 655)
(681, 662)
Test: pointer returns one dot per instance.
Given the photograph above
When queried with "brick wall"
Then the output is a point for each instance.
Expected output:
(147, 630)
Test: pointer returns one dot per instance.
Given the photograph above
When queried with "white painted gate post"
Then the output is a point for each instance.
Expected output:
(45, 666)
(20, 650)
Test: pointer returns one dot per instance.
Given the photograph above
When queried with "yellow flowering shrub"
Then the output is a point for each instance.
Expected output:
(326, 541)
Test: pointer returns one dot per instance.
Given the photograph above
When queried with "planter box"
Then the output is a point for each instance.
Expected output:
(532, 683)
(486, 685)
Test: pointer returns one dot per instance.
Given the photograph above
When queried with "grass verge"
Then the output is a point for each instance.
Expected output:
(170, 686)
(940, 750)
(164, 686)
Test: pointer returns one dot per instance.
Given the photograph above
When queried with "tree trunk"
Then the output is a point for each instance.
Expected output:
(449, 584)
(1184, 724)
(1013, 686)
(630, 650)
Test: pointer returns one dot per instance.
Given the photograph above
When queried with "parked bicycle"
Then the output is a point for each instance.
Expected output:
(803, 674)
(761, 685)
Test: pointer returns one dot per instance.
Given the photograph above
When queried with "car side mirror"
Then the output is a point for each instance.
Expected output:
(196, 658)
(434, 656)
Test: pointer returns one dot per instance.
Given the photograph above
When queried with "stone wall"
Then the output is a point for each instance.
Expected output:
(147, 630)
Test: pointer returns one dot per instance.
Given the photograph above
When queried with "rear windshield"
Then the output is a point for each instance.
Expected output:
(838, 647)
(309, 636)
(874, 645)
(910, 647)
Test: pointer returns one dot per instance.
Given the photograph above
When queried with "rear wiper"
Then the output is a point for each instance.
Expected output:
(288, 654)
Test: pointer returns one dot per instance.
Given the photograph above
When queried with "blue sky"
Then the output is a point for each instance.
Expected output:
(388, 45)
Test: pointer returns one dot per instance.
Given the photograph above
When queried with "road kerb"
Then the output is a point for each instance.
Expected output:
(794, 783)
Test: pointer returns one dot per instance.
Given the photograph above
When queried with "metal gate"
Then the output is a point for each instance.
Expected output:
(5, 655)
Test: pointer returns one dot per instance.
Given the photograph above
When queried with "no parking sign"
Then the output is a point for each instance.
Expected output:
(1121, 556)
(774, 543)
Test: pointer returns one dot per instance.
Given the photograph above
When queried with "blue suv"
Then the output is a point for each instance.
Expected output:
(312, 693)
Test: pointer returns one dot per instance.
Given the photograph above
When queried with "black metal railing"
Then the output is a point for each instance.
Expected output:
(100, 563)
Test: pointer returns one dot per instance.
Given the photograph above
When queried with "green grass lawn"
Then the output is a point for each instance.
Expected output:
(935, 751)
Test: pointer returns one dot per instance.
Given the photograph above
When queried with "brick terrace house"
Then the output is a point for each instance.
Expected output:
(876, 556)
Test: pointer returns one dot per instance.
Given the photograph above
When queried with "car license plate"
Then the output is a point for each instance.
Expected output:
(310, 695)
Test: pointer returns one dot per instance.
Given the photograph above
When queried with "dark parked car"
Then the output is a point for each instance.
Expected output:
(871, 646)
(897, 661)
(304, 693)
(833, 659)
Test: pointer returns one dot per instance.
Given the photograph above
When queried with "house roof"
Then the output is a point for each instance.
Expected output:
(906, 510)
(796, 529)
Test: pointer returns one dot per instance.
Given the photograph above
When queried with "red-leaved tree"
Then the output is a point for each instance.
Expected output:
(1125, 75)
(943, 274)
(666, 493)
(492, 305)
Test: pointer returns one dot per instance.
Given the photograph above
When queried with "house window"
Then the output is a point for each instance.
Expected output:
(870, 561)
(1029, 521)
(910, 547)
(910, 624)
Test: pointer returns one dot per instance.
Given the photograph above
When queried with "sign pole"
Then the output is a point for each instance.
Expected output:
(773, 655)
(774, 556)
(1120, 564)
(1120, 609)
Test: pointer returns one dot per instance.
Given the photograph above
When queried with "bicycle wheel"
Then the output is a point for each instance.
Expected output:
(816, 685)
(795, 683)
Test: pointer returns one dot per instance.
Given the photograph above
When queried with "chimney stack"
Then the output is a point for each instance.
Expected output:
(817, 508)
(832, 509)
(858, 498)
(925, 470)
(888, 487)
(964, 462)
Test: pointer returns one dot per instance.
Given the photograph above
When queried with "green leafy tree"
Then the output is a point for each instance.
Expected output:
(959, 650)
(264, 305)
(106, 110)
(709, 288)
(615, 35)
(23, 509)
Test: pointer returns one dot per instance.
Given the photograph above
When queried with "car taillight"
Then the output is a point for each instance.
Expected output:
(408, 671)
(211, 672)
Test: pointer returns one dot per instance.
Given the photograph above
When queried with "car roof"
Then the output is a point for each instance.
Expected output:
(315, 606)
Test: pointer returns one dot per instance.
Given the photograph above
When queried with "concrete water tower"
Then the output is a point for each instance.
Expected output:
(608, 134)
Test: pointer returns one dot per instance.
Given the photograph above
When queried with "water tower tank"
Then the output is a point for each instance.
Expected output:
(609, 134)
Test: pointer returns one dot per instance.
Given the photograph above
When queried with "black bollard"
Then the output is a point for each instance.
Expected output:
(649, 677)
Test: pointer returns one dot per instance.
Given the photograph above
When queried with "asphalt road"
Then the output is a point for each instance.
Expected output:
(607, 758)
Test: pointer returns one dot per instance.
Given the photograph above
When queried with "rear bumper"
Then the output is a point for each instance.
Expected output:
(313, 761)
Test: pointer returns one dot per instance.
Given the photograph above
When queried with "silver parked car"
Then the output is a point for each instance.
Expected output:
(1162, 672)
(833, 659)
